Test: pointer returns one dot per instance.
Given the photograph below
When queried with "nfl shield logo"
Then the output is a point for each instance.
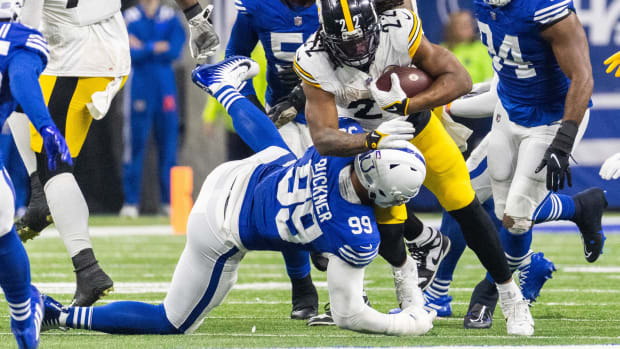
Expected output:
(298, 21)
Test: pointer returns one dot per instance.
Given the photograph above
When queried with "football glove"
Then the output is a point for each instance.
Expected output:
(557, 157)
(393, 134)
(613, 61)
(285, 111)
(287, 75)
(395, 100)
(203, 40)
(55, 147)
(611, 168)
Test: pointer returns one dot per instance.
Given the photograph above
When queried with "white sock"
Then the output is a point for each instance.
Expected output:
(20, 128)
(424, 237)
(509, 292)
(70, 212)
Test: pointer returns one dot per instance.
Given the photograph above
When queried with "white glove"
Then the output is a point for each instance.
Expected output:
(611, 168)
(412, 321)
(393, 134)
(395, 100)
(203, 40)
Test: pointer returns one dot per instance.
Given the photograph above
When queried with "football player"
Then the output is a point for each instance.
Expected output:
(353, 47)
(23, 57)
(274, 201)
(89, 62)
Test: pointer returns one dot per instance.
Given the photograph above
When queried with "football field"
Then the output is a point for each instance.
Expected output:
(580, 305)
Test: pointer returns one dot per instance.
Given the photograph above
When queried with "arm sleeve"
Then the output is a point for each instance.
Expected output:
(345, 285)
(175, 40)
(242, 41)
(24, 71)
(477, 106)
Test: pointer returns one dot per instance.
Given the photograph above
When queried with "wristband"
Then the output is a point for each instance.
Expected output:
(372, 140)
(192, 11)
(565, 138)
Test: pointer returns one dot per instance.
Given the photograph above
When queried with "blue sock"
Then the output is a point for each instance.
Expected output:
(121, 318)
(297, 263)
(516, 247)
(555, 207)
(451, 229)
(15, 276)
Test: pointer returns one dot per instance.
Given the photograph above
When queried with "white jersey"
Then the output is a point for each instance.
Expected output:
(86, 38)
(399, 39)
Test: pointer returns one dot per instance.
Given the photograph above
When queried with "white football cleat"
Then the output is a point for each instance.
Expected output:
(519, 320)
(232, 71)
(408, 293)
(129, 211)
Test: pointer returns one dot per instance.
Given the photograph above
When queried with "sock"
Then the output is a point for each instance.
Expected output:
(413, 225)
(555, 207)
(70, 212)
(15, 277)
(120, 318)
(424, 237)
(482, 237)
(304, 293)
(509, 292)
(392, 247)
(297, 263)
(439, 288)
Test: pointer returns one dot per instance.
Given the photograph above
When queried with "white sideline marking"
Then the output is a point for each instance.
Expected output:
(121, 230)
(606, 270)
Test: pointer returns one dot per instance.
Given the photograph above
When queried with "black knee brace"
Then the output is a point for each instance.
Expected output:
(483, 239)
(392, 247)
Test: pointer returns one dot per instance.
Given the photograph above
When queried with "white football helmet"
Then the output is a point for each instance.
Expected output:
(499, 3)
(11, 9)
(391, 176)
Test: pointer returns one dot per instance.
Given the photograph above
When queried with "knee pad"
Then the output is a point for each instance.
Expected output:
(517, 225)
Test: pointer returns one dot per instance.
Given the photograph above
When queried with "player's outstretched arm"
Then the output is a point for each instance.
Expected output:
(322, 118)
(451, 80)
(345, 284)
(570, 47)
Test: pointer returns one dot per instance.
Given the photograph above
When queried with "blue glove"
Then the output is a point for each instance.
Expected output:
(55, 146)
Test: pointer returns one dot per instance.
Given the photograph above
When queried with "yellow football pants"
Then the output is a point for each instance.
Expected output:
(446, 173)
(66, 99)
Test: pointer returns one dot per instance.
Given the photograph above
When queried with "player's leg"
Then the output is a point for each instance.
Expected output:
(67, 105)
(166, 127)
(139, 114)
(22, 299)
(304, 297)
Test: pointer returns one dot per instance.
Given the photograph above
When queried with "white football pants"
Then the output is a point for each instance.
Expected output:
(297, 136)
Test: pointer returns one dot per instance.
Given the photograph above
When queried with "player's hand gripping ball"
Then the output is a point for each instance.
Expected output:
(393, 89)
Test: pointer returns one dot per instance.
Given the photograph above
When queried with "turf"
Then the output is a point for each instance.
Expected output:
(574, 308)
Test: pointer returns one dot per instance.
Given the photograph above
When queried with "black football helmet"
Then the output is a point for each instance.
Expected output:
(349, 30)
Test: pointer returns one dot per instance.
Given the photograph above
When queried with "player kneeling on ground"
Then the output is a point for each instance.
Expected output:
(273, 201)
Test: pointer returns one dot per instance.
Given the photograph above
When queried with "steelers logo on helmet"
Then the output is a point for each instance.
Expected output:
(391, 176)
(349, 30)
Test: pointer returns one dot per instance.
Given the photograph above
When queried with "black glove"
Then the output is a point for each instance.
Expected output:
(557, 156)
(287, 75)
(286, 110)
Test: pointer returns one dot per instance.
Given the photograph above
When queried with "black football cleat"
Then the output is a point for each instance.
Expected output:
(589, 207)
(482, 306)
(305, 299)
(327, 319)
(428, 256)
(92, 282)
(37, 216)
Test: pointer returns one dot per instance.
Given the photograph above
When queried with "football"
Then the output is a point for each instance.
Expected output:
(412, 80)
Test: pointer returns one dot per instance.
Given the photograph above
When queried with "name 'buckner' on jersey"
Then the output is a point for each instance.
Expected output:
(529, 74)
(353, 99)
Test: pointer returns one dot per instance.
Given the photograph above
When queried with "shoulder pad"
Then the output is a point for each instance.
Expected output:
(165, 13)
(358, 256)
(400, 23)
(313, 65)
(245, 6)
(132, 14)
(548, 11)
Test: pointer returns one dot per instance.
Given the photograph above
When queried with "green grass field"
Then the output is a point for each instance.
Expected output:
(578, 306)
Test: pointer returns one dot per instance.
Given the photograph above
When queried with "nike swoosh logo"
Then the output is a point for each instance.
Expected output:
(556, 159)
(585, 249)
(367, 248)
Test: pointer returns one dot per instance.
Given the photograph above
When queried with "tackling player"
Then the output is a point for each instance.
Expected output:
(354, 46)
(89, 62)
(274, 201)
(23, 57)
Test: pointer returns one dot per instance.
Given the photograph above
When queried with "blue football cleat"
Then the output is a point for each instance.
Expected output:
(232, 71)
(27, 332)
(590, 205)
(53, 310)
(533, 275)
(441, 305)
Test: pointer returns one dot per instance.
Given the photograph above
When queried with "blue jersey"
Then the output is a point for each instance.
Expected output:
(532, 87)
(16, 38)
(298, 203)
(280, 29)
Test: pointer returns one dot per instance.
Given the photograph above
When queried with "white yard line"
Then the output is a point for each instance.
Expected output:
(578, 269)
